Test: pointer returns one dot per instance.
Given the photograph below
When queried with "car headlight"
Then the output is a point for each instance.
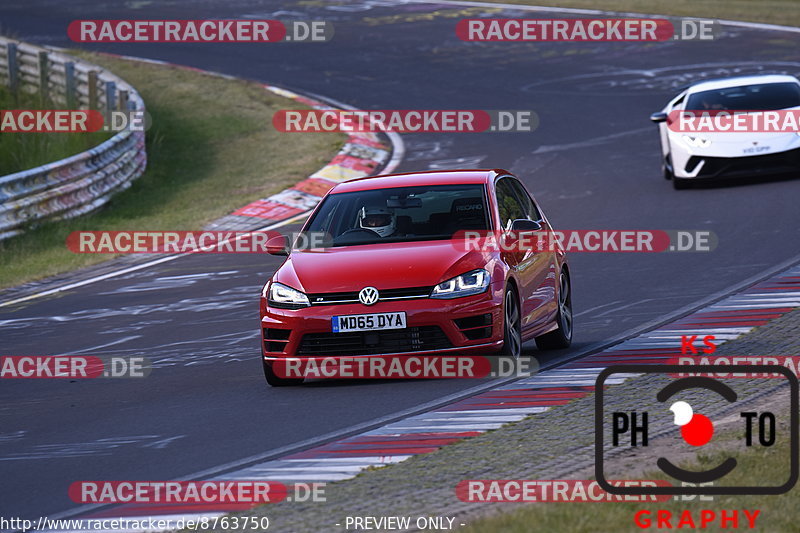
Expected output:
(473, 282)
(282, 297)
(697, 142)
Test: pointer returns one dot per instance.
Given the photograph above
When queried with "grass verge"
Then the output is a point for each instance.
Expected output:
(21, 151)
(766, 466)
(782, 12)
(211, 149)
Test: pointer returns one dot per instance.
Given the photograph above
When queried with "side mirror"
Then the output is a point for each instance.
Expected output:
(278, 245)
(658, 117)
(523, 224)
(514, 240)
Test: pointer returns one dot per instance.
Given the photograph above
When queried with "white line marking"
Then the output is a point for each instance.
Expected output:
(116, 273)
(589, 142)
(106, 345)
(516, 410)
(596, 308)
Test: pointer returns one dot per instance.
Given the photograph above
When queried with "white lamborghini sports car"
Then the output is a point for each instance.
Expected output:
(688, 156)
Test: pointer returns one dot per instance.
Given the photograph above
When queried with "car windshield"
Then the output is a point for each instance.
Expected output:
(419, 213)
(761, 97)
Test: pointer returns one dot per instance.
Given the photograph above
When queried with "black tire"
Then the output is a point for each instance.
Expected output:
(666, 168)
(512, 325)
(277, 381)
(561, 337)
(681, 183)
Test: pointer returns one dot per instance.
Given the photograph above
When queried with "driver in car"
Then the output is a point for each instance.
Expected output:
(381, 220)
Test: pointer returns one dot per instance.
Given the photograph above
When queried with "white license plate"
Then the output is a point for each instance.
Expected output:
(371, 322)
(755, 150)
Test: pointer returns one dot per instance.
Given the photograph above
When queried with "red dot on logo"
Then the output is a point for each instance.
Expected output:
(698, 431)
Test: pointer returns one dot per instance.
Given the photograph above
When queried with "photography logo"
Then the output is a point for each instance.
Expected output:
(630, 429)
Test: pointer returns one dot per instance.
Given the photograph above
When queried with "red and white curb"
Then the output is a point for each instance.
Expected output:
(343, 459)
(363, 155)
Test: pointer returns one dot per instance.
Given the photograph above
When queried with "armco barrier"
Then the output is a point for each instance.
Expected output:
(83, 182)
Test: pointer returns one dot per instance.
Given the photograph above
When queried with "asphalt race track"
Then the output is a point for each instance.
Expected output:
(593, 163)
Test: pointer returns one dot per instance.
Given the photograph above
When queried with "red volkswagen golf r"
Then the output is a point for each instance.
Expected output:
(393, 277)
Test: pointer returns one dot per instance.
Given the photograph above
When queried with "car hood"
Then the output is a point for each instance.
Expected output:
(385, 266)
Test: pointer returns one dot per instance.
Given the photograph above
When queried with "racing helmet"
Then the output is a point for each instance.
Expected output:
(378, 219)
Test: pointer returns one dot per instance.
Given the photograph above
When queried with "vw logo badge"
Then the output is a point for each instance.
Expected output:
(368, 295)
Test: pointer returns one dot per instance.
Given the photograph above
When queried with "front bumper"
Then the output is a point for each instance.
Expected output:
(704, 167)
(472, 325)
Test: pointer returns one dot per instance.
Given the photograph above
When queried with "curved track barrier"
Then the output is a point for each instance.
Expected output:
(81, 183)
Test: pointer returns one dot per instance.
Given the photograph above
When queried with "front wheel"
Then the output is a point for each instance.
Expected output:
(276, 381)
(512, 325)
(666, 168)
(561, 337)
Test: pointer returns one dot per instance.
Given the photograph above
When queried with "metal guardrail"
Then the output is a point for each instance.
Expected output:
(81, 183)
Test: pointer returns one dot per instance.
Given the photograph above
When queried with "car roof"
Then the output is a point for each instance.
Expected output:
(737, 81)
(413, 179)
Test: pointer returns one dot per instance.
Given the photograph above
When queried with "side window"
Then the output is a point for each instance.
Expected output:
(678, 101)
(527, 204)
(508, 204)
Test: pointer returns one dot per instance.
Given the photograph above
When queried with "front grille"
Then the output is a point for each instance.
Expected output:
(414, 339)
(746, 166)
(333, 298)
